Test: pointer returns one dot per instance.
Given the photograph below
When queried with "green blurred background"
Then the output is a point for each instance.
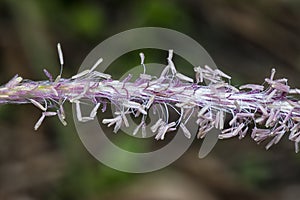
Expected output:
(245, 39)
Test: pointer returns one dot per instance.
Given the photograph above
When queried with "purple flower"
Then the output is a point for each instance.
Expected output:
(273, 106)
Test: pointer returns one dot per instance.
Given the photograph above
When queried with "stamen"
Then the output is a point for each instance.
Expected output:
(100, 60)
(38, 105)
(142, 56)
(61, 58)
(186, 132)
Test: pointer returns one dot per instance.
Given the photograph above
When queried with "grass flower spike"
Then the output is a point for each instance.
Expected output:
(266, 112)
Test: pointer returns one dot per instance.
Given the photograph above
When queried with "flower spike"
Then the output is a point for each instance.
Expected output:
(273, 109)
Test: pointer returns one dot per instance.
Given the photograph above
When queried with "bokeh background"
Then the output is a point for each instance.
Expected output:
(245, 39)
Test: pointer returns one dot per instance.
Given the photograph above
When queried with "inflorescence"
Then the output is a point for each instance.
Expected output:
(266, 112)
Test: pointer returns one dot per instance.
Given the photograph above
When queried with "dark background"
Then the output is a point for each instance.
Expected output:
(245, 38)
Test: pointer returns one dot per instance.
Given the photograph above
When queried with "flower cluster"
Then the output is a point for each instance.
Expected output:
(270, 109)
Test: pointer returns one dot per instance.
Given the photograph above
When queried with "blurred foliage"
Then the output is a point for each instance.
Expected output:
(252, 170)
(247, 39)
(161, 14)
